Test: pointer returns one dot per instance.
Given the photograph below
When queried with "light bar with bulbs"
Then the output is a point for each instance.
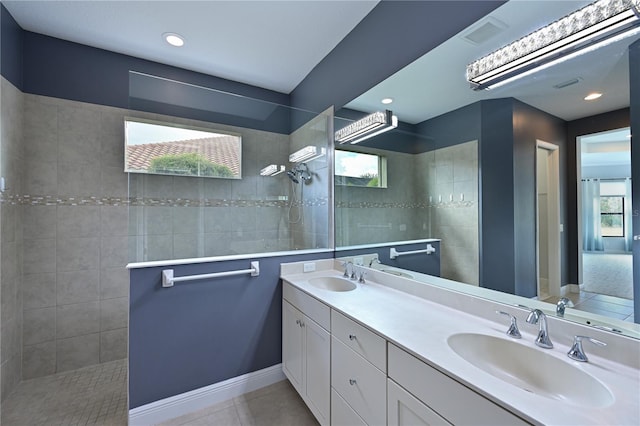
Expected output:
(597, 23)
(272, 170)
(306, 154)
(367, 127)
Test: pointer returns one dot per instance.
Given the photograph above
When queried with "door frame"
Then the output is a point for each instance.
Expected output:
(553, 215)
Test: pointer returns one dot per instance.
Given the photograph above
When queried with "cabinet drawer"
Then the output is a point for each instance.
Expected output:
(342, 414)
(445, 395)
(361, 384)
(314, 309)
(360, 339)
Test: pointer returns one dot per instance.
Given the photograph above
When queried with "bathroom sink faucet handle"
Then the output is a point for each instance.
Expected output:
(513, 328)
(577, 353)
(536, 316)
(362, 275)
(346, 268)
(562, 304)
(353, 275)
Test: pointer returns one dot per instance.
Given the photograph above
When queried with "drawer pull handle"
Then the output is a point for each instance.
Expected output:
(352, 337)
(352, 382)
(298, 322)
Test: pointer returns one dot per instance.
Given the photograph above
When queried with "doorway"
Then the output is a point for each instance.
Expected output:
(548, 225)
(605, 228)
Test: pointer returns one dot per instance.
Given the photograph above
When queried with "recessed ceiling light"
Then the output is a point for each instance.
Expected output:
(173, 39)
(592, 96)
(387, 101)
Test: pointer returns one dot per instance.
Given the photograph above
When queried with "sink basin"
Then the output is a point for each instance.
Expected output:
(531, 369)
(397, 273)
(333, 284)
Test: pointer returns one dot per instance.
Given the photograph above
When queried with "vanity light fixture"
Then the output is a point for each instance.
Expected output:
(173, 39)
(592, 96)
(367, 127)
(272, 170)
(306, 154)
(598, 23)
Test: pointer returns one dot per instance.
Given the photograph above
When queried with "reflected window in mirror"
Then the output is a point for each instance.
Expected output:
(360, 169)
(167, 149)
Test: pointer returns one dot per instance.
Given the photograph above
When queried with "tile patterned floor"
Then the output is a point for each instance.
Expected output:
(608, 306)
(95, 395)
(278, 404)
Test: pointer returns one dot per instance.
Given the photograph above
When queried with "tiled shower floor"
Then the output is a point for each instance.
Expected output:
(95, 395)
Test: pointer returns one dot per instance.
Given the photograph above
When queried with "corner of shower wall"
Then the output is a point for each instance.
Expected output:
(11, 240)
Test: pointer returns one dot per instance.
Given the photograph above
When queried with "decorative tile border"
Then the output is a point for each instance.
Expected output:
(416, 205)
(49, 200)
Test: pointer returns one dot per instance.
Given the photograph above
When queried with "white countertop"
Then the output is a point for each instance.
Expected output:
(422, 327)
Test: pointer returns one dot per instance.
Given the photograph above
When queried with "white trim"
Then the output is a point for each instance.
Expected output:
(173, 262)
(197, 399)
(393, 243)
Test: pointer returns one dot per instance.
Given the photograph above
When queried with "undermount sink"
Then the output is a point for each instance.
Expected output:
(531, 369)
(332, 284)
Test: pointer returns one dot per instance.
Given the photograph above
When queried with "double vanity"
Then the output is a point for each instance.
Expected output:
(395, 351)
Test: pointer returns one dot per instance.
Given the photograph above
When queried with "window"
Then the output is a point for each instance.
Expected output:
(612, 208)
(359, 169)
(169, 149)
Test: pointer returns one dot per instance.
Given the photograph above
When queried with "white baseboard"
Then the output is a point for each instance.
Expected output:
(197, 399)
(570, 288)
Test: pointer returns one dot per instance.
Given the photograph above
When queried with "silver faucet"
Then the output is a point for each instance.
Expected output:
(577, 353)
(513, 328)
(374, 260)
(561, 305)
(536, 316)
(361, 277)
(346, 268)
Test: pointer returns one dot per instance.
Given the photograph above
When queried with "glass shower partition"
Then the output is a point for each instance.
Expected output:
(225, 174)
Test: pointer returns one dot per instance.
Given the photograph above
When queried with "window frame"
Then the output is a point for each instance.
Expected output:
(621, 215)
(382, 170)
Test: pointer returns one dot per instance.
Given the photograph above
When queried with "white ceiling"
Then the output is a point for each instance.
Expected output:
(436, 83)
(270, 44)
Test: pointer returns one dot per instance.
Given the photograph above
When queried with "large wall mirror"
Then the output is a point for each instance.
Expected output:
(494, 173)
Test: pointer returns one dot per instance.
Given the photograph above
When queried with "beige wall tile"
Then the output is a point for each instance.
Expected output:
(77, 319)
(78, 221)
(77, 254)
(113, 345)
(78, 286)
(114, 282)
(114, 313)
(77, 352)
(39, 256)
(39, 360)
(39, 290)
(39, 326)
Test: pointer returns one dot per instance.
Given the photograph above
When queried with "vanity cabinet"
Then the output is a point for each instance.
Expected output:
(444, 396)
(306, 347)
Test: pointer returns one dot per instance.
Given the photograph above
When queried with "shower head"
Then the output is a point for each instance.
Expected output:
(292, 175)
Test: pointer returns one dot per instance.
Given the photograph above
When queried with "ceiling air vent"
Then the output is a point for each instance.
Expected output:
(568, 83)
(484, 30)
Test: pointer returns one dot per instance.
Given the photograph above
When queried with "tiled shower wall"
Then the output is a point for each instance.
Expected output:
(309, 218)
(75, 306)
(179, 217)
(417, 205)
(11, 287)
(375, 215)
(452, 172)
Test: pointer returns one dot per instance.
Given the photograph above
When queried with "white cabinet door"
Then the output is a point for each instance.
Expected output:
(404, 409)
(293, 346)
(318, 373)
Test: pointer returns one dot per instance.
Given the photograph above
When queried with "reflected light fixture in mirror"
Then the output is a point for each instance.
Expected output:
(272, 170)
(599, 23)
(308, 153)
(367, 127)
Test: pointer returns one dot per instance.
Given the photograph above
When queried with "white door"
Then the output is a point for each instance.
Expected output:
(318, 374)
(293, 346)
(406, 410)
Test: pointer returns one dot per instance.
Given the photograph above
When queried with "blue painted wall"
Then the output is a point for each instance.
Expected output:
(202, 332)
(11, 40)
